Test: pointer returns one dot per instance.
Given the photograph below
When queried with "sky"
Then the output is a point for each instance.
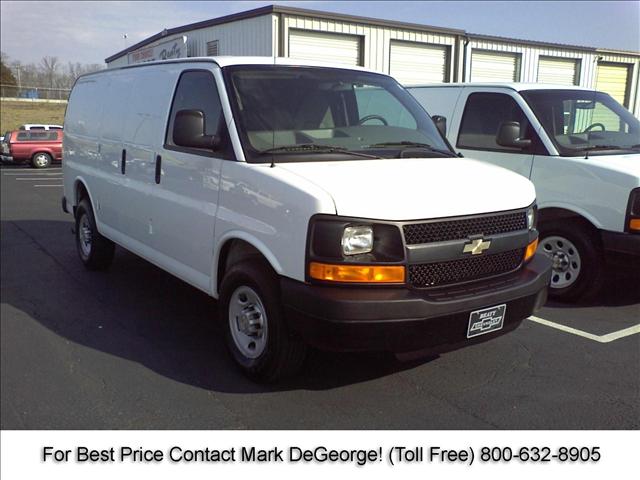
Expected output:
(88, 32)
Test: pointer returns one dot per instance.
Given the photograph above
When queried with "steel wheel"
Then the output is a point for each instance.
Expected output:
(86, 235)
(566, 260)
(248, 322)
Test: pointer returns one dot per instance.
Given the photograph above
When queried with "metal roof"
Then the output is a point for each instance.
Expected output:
(277, 9)
(269, 9)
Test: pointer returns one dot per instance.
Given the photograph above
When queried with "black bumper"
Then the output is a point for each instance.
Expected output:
(618, 242)
(405, 320)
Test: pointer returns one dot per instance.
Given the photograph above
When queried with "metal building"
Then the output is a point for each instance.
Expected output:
(412, 53)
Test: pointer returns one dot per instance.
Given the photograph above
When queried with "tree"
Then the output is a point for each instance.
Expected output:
(50, 66)
(6, 75)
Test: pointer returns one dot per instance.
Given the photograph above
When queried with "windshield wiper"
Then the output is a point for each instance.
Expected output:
(407, 144)
(603, 147)
(314, 148)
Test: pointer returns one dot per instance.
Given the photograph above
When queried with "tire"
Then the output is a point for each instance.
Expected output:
(576, 252)
(251, 313)
(41, 160)
(95, 251)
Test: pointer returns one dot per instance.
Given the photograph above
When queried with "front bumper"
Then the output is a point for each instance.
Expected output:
(404, 320)
(6, 158)
(619, 242)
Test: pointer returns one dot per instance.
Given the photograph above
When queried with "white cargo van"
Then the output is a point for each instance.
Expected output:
(319, 206)
(579, 147)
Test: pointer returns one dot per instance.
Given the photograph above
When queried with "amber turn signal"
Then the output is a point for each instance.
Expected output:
(531, 250)
(356, 273)
(634, 224)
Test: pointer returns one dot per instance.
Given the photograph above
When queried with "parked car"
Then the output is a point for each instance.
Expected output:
(580, 148)
(39, 126)
(39, 148)
(319, 206)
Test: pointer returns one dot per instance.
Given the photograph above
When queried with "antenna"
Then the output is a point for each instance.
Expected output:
(593, 100)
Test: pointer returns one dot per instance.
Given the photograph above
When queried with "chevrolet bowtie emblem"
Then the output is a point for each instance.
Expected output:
(477, 246)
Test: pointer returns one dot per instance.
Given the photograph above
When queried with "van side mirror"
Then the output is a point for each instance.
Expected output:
(441, 124)
(188, 130)
(509, 136)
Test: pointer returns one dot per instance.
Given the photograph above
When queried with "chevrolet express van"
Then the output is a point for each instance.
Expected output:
(319, 205)
(579, 147)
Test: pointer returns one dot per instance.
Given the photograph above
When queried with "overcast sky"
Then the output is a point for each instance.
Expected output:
(88, 32)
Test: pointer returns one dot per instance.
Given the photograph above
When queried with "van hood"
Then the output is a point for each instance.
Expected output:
(627, 164)
(416, 188)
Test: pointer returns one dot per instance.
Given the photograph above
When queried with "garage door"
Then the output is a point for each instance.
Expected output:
(325, 47)
(494, 67)
(415, 63)
(614, 79)
(561, 71)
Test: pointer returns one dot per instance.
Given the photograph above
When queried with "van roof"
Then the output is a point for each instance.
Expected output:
(225, 61)
(517, 86)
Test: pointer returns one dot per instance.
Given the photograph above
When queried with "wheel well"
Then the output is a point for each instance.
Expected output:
(234, 251)
(81, 192)
(553, 214)
(40, 151)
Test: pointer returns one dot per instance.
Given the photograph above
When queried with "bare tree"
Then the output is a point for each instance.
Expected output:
(50, 66)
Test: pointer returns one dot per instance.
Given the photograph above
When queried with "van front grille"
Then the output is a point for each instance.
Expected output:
(445, 230)
(465, 269)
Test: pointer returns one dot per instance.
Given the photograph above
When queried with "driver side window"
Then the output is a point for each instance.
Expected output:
(379, 104)
(482, 117)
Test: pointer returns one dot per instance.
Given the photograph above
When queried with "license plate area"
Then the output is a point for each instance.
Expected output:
(486, 320)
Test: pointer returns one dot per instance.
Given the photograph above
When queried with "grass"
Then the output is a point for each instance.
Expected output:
(13, 114)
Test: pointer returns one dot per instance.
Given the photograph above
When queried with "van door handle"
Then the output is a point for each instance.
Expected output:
(158, 167)
(123, 162)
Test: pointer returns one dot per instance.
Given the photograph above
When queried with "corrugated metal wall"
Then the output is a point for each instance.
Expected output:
(251, 36)
(376, 39)
(261, 36)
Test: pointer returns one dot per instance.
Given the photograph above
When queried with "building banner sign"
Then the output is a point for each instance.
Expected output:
(176, 48)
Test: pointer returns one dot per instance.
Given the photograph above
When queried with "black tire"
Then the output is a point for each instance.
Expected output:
(98, 253)
(590, 277)
(41, 160)
(283, 353)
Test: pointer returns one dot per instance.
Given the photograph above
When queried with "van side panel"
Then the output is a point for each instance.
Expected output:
(438, 101)
(80, 144)
(272, 207)
(108, 182)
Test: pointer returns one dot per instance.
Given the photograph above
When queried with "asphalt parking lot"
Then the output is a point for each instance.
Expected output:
(135, 348)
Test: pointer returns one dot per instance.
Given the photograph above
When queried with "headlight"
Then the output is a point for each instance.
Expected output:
(357, 240)
(531, 218)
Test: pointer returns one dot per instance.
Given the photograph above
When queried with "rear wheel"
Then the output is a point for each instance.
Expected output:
(576, 253)
(41, 160)
(95, 251)
(256, 332)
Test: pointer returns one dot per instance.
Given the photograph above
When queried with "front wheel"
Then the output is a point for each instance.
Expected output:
(256, 333)
(576, 253)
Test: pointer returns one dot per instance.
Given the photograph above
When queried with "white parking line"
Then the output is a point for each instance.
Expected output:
(609, 337)
(33, 179)
(48, 185)
(16, 174)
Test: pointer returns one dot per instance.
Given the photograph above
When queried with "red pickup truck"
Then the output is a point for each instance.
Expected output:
(39, 147)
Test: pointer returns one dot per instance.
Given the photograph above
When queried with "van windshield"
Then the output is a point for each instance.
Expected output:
(292, 113)
(582, 121)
